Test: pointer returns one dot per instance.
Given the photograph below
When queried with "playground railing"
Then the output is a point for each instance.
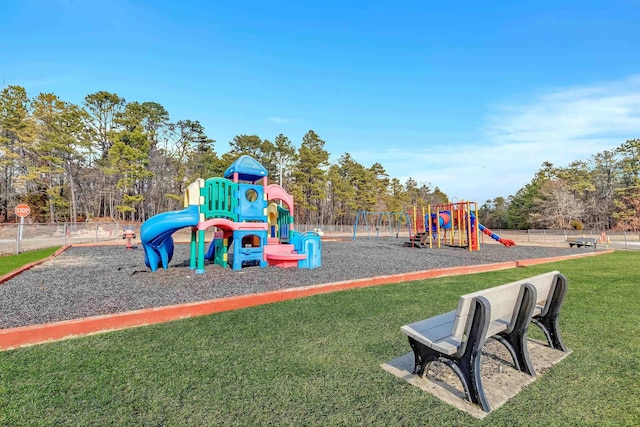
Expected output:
(220, 200)
(15, 238)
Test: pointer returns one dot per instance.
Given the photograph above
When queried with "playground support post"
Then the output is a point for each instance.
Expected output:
(469, 227)
(193, 248)
(415, 219)
(430, 231)
(475, 237)
(200, 267)
(462, 226)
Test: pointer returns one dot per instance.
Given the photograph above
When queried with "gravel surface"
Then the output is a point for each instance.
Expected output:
(89, 281)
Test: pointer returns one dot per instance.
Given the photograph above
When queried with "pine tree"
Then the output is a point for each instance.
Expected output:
(59, 137)
(310, 177)
(129, 159)
(102, 110)
(16, 132)
(285, 155)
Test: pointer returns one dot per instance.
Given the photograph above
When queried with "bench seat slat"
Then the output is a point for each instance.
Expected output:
(430, 337)
(433, 322)
(435, 333)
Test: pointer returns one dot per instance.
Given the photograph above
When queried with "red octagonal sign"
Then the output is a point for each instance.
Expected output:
(23, 210)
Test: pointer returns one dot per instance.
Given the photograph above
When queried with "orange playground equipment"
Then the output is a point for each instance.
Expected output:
(450, 224)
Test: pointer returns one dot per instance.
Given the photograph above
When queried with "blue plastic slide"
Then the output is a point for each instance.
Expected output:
(155, 235)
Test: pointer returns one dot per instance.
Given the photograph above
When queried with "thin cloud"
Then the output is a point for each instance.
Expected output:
(558, 126)
(574, 115)
(564, 125)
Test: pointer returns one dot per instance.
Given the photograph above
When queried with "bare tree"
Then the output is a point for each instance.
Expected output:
(557, 207)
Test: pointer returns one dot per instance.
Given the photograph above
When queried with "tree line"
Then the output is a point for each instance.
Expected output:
(601, 193)
(110, 158)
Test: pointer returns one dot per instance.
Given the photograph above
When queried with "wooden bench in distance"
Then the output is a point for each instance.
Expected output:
(583, 241)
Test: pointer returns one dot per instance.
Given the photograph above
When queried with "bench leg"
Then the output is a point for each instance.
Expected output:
(465, 365)
(517, 346)
(549, 327)
(467, 369)
(516, 340)
(548, 321)
(422, 356)
(469, 373)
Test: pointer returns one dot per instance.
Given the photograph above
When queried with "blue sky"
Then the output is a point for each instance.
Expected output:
(468, 96)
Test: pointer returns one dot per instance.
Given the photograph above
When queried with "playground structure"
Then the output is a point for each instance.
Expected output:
(251, 229)
(394, 222)
(450, 224)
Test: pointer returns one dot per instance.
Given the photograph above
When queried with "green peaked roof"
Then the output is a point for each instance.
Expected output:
(248, 169)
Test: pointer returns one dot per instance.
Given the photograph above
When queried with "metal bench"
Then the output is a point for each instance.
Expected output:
(583, 241)
(503, 312)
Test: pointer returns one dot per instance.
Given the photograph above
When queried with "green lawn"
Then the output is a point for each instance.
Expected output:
(13, 262)
(316, 361)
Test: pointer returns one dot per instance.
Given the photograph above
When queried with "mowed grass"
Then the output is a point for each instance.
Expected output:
(316, 361)
(13, 262)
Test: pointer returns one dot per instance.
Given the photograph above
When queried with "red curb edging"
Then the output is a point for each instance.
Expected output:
(535, 261)
(26, 267)
(37, 334)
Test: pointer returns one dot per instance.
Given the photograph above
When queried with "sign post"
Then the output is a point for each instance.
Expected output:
(22, 210)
